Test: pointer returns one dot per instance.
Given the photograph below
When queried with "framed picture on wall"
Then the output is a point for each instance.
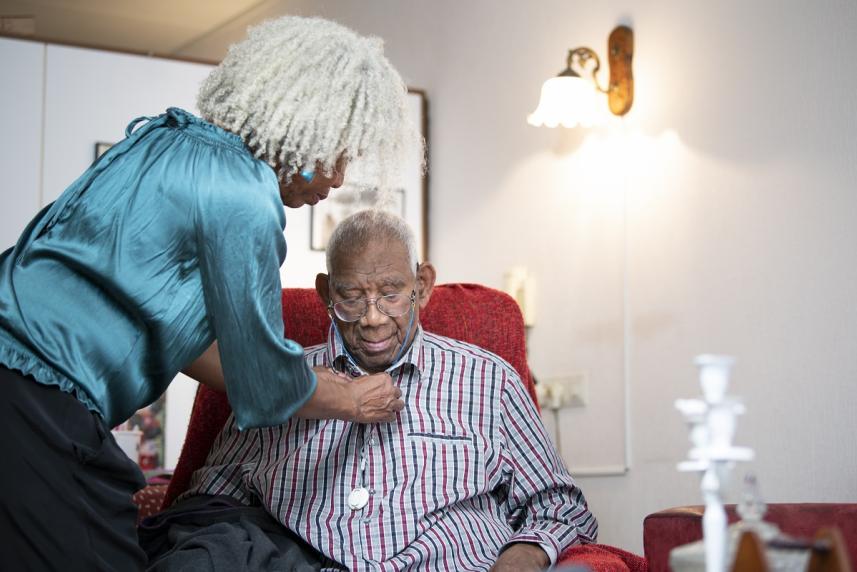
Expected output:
(142, 437)
(410, 201)
(101, 148)
(344, 201)
(150, 421)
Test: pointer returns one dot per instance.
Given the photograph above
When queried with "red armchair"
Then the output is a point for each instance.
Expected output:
(467, 312)
(666, 529)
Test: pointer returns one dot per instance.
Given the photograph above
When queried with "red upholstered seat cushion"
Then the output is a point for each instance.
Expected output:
(148, 500)
(469, 312)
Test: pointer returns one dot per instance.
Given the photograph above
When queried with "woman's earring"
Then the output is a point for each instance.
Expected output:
(308, 176)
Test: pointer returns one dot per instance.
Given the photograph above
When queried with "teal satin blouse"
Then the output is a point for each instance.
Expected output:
(173, 238)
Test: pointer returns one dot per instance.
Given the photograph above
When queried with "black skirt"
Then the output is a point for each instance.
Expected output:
(65, 485)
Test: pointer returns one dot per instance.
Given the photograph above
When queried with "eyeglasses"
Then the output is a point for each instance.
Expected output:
(392, 305)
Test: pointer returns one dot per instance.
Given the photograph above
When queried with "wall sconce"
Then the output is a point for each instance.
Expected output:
(569, 100)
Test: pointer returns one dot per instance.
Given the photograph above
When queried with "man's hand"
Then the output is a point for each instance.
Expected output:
(376, 399)
(521, 557)
(367, 399)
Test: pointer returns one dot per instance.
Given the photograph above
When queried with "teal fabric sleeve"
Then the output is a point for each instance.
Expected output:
(241, 245)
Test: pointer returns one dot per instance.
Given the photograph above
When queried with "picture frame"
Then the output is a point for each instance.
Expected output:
(143, 436)
(410, 201)
(151, 422)
(348, 199)
(101, 148)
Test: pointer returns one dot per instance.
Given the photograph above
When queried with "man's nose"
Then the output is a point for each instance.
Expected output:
(373, 315)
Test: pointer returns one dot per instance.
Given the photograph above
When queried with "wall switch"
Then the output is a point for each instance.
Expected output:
(577, 388)
(562, 392)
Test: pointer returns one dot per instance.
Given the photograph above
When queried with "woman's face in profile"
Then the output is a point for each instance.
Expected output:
(299, 192)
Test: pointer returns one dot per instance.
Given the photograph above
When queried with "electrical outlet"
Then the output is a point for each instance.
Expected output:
(562, 392)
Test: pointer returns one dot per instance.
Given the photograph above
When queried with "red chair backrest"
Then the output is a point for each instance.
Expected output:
(468, 312)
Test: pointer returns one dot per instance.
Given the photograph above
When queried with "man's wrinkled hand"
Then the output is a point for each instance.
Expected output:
(521, 557)
(376, 398)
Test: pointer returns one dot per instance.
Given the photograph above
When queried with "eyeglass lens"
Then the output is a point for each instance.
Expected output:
(392, 305)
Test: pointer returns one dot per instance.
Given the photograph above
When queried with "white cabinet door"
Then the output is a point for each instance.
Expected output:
(21, 87)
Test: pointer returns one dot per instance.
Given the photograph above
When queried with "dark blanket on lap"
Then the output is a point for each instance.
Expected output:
(218, 533)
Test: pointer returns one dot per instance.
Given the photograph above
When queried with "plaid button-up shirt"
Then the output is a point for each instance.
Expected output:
(466, 468)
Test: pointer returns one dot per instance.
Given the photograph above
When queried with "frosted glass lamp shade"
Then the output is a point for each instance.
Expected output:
(569, 101)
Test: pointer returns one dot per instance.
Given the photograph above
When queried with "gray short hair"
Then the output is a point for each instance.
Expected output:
(306, 91)
(358, 230)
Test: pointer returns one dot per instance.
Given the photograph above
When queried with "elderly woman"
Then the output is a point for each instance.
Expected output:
(170, 241)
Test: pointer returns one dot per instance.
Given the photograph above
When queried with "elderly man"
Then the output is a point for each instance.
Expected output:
(464, 478)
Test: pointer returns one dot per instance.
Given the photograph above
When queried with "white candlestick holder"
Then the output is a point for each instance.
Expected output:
(712, 423)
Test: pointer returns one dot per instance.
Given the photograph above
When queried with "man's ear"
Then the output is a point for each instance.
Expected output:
(426, 276)
(322, 287)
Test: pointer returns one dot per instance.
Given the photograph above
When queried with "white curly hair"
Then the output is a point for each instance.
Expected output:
(303, 92)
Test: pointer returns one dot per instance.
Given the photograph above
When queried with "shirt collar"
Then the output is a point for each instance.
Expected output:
(338, 355)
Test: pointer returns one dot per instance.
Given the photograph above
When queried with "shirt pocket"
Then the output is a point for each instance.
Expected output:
(450, 467)
(438, 472)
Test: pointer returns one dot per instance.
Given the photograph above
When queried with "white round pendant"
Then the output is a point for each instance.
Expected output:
(358, 498)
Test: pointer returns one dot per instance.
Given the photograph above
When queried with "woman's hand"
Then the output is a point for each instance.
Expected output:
(367, 399)
(376, 398)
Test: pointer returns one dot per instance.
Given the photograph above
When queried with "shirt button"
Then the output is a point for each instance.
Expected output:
(371, 491)
(372, 441)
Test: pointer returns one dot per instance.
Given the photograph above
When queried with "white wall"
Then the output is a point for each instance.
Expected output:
(21, 149)
(735, 170)
(92, 95)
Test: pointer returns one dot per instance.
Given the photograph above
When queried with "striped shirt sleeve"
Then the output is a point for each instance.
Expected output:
(543, 504)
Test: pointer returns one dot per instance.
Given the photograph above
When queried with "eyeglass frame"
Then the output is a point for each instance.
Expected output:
(413, 297)
(331, 306)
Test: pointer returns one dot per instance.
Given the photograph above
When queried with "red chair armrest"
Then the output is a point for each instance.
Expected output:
(602, 558)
